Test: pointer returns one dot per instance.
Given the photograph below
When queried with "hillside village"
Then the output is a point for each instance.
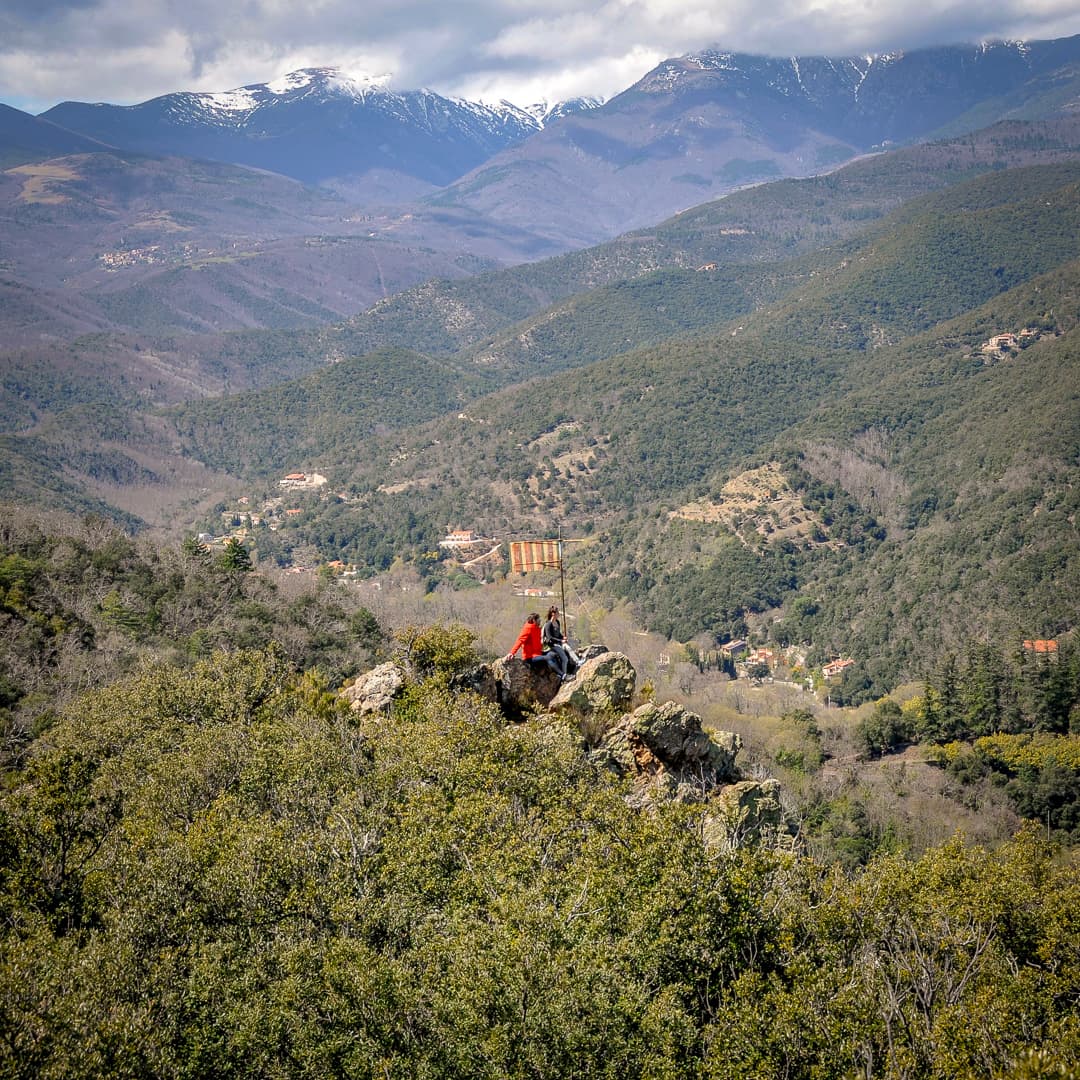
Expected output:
(1008, 344)
(180, 254)
(485, 558)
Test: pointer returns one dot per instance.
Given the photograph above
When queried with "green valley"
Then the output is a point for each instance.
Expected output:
(274, 802)
(872, 381)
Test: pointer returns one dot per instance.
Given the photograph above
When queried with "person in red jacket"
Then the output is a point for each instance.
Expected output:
(532, 651)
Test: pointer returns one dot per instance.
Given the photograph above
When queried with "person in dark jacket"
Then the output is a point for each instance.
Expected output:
(532, 648)
(552, 638)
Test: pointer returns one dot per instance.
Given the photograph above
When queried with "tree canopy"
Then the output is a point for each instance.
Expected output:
(218, 870)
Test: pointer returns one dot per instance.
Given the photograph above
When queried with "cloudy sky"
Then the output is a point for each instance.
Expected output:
(126, 51)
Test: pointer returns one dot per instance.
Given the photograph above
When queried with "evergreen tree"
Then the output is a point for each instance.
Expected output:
(235, 557)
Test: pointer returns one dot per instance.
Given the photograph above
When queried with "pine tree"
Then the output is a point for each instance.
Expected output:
(235, 556)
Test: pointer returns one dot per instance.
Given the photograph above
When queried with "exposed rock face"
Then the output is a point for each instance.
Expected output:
(604, 683)
(661, 748)
(376, 690)
(666, 752)
(751, 812)
(480, 680)
(666, 747)
(520, 686)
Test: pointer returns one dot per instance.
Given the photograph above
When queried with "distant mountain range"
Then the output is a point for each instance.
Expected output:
(317, 124)
(524, 182)
(699, 126)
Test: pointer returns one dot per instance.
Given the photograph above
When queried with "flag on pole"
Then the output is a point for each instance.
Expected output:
(526, 555)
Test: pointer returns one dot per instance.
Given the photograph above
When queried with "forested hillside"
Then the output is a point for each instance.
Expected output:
(72, 461)
(939, 256)
(327, 414)
(763, 224)
(81, 603)
(932, 469)
(766, 223)
(935, 469)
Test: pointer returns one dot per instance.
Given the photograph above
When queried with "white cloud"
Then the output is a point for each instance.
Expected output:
(522, 49)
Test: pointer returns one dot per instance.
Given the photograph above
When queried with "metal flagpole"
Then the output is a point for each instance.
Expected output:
(562, 581)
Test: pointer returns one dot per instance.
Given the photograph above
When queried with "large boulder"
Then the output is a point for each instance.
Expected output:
(665, 747)
(676, 737)
(603, 684)
(520, 687)
(375, 691)
(590, 652)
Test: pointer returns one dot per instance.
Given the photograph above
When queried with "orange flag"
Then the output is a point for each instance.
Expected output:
(526, 555)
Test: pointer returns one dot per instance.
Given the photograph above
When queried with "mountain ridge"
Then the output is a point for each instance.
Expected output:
(709, 123)
(314, 124)
(581, 172)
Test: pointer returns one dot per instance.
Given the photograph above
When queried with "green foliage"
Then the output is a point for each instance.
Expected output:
(83, 601)
(714, 597)
(365, 628)
(885, 729)
(841, 833)
(235, 557)
(967, 917)
(437, 650)
(810, 756)
(325, 413)
(992, 692)
(1040, 774)
(213, 871)
(1028, 702)
(1040, 1065)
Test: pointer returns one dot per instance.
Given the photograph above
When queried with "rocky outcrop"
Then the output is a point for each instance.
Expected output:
(665, 749)
(375, 691)
(520, 687)
(603, 683)
(662, 749)
(750, 812)
(479, 679)
(666, 753)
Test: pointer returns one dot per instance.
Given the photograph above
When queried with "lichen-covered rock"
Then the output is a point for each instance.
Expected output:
(520, 686)
(676, 737)
(666, 746)
(604, 683)
(750, 812)
(375, 690)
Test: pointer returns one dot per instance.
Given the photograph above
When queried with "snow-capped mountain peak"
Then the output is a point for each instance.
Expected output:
(545, 112)
(347, 123)
(240, 100)
(320, 83)
(325, 77)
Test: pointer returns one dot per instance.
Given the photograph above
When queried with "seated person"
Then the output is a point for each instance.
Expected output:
(532, 650)
(552, 638)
